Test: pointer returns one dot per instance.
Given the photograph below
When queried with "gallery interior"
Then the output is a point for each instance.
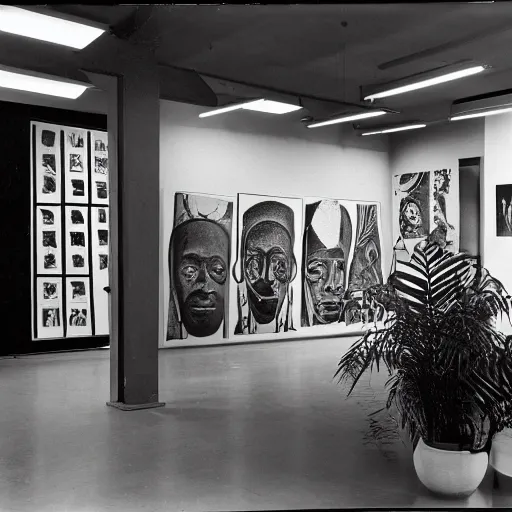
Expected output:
(256, 257)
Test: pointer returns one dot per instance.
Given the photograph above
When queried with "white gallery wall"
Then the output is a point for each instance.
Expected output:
(497, 250)
(251, 152)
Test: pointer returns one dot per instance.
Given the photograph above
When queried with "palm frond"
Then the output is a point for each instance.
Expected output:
(450, 368)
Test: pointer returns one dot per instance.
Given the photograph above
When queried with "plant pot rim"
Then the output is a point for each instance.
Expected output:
(441, 450)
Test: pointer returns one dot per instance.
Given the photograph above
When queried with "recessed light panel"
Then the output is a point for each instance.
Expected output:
(40, 85)
(271, 107)
(31, 24)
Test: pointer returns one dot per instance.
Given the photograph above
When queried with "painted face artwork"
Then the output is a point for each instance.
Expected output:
(325, 278)
(327, 239)
(411, 219)
(267, 264)
(200, 257)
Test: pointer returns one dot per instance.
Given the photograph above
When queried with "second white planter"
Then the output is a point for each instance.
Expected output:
(501, 452)
(449, 473)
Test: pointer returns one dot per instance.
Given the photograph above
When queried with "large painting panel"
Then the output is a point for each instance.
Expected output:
(342, 260)
(428, 208)
(267, 261)
(199, 263)
(445, 208)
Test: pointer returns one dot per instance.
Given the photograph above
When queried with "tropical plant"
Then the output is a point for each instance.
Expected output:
(450, 368)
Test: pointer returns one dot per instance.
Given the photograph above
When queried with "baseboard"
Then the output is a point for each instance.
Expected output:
(135, 407)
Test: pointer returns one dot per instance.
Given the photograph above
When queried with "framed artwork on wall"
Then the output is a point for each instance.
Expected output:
(427, 207)
(70, 233)
(503, 210)
(199, 267)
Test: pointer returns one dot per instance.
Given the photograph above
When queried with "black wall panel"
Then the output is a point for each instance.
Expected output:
(15, 229)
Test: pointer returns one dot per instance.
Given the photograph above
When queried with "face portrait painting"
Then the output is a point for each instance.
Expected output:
(199, 257)
(268, 266)
(327, 239)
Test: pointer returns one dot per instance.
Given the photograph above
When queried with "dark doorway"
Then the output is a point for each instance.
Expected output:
(469, 193)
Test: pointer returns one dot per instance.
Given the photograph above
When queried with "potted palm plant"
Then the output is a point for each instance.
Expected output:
(450, 368)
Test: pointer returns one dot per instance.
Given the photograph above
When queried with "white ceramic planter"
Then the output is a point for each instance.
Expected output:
(501, 452)
(450, 473)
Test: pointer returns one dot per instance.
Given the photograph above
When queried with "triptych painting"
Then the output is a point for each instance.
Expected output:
(255, 265)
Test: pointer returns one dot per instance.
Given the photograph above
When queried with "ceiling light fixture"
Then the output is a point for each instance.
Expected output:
(396, 129)
(272, 107)
(52, 29)
(21, 80)
(482, 114)
(347, 118)
(489, 104)
(259, 105)
(416, 82)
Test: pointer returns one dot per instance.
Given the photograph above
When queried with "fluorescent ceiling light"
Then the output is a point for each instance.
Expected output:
(348, 118)
(272, 107)
(482, 114)
(23, 81)
(397, 129)
(260, 105)
(31, 24)
(229, 108)
(427, 83)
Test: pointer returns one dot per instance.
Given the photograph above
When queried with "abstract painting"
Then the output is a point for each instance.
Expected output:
(49, 239)
(75, 163)
(77, 238)
(100, 164)
(78, 260)
(50, 291)
(326, 246)
(103, 261)
(77, 217)
(51, 317)
(99, 145)
(445, 209)
(199, 258)
(48, 216)
(78, 187)
(366, 266)
(103, 236)
(76, 140)
(50, 261)
(49, 184)
(48, 138)
(266, 263)
(503, 210)
(101, 189)
(78, 291)
(78, 317)
(413, 191)
(49, 165)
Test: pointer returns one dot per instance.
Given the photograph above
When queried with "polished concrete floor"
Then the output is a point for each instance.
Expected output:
(250, 427)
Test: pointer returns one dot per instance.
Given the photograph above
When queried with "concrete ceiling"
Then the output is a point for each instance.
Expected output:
(325, 51)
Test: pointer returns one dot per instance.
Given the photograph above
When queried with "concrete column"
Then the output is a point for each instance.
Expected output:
(135, 228)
